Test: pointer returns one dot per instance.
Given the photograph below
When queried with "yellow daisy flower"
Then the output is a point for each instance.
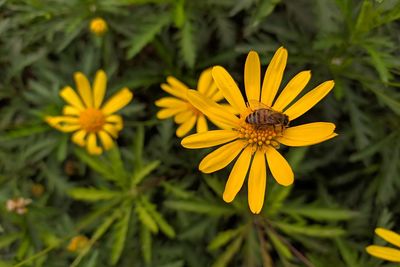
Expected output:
(87, 117)
(254, 144)
(98, 26)
(180, 108)
(386, 253)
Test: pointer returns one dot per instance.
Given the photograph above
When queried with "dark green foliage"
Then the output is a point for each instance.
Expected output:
(145, 203)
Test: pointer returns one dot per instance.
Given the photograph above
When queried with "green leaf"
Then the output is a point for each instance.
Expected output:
(187, 44)
(280, 246)
(199, 207)
(224, 259)
(145, 241)
(311, 230)
(138, 144)
(92, 194)
(165, 227)
(119, 236)
(378, 63)
(223, 237)
(146, 218)
(138, 176)
(349, 255)
(320, 214)
(96, 164)
(147, 33)
(8, 239)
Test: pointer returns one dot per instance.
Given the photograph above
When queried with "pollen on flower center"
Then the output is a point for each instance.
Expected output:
(260, 137)
(92, 120)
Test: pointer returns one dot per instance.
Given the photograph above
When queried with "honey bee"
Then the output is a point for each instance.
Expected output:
(264, 117)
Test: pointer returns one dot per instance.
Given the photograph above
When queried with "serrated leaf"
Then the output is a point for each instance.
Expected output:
(187, 44)
(119, 235)
(92, 194)
(147, 33)
(311, 230)
(145, 218)
(224, 259)
(222, 238)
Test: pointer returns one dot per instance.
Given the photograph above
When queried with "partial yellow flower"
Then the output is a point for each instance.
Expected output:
(386, 253)
(178, 106)
(255, 146)
(87, 117)
(98, 26)
(77, 243)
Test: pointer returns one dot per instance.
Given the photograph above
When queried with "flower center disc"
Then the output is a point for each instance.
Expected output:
(260, 137)
(92, 120)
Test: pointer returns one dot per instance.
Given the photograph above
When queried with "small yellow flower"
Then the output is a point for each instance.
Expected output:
(77, 243)
(98, 26)
(254, 145)
(180, 108)
(87, 117)
(386, 253)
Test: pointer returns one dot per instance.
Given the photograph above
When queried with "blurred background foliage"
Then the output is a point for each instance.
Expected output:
(145, 203)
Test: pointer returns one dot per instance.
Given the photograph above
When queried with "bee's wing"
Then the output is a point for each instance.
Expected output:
(255, 104)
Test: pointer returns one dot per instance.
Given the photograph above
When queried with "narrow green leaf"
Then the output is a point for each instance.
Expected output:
(280, 247)
(119, 236)
(138, 144)
(96, 164)
(92, 194)
(145, 241)
(200, 207)
(224, 259)
(378, 63)
(138, 176)
(6, 240)
(223, 237)
(321, 214)
(165, 227)
(146, 218)
(311, 230)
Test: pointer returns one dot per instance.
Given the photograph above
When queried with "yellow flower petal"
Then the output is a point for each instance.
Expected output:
(209, 139)
(309, 100)
(170, 102)
(217, 96)
(273, 76)
(99, 88)
(205, 82)
(169, 112)
(79, 137)
(173, 91)
(237, 175)
(252, 76)
(296, 143)
(116, 120)
(69, 95)
(229, 88)
(112, 129)
(117, 101)
(177, 85)
(385, 253)
(221, 157)
(307, 134)
(185, 127)
(292, 89)
(212, 110)
(389, 236)
(84, 89)
(64, 123)
(280, 168)
(183, 116)
(201, 124)
(257, 182)
(70, 110)
(106, 140)
(92, 146)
